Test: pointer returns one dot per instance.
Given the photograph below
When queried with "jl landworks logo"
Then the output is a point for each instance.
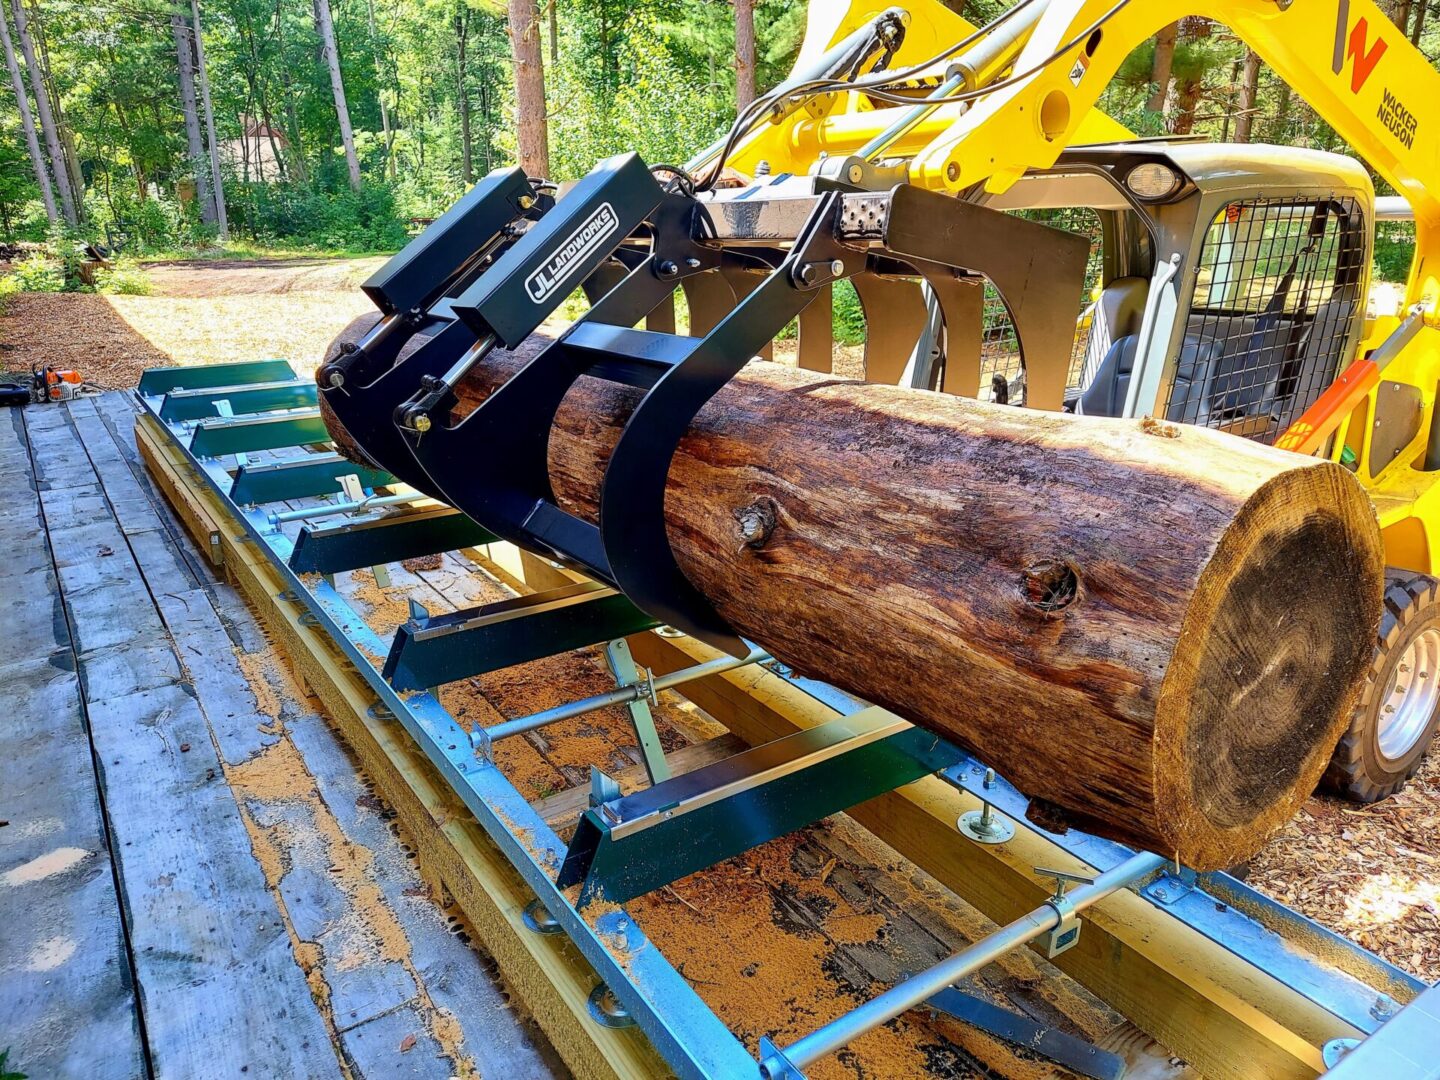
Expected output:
(568, 258)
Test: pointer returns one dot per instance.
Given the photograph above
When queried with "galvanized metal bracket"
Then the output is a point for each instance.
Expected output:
(626, 673)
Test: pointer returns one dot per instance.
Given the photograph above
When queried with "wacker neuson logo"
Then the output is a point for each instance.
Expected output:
(572, 253)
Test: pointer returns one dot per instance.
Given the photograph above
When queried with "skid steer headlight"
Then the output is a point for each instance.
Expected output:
(1153, 181)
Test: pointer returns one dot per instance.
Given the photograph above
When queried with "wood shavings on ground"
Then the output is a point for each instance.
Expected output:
(1370, 873)
(199, 313)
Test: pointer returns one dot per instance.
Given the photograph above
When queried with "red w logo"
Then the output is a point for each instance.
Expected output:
(1364, 62)
(1357, 49)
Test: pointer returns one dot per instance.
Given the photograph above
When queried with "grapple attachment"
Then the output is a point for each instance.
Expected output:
(750, 262)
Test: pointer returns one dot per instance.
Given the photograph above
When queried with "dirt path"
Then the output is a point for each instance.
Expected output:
(198, 313)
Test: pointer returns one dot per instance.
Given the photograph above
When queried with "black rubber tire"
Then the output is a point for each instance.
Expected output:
(1358, 772)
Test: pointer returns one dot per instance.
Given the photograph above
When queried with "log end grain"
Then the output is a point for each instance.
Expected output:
(1272, 652)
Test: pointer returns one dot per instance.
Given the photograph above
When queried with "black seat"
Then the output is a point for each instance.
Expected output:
(1105, 396)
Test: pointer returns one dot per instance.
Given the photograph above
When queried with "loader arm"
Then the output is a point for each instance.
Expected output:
(1344, 57)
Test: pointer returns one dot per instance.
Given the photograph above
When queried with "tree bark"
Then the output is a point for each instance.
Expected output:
(194, 144)
(530, 113)
(1249, 89)
(462, 90)
(1160, 68)
(382, 81)
(1401, 15)
(1418, 29)
(325, 26)
(744, 52)
(1169, 660)
(56, 152)
(202, 73)
(27, 122)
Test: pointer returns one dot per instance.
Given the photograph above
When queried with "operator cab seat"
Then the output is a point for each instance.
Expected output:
(1116, 321)
(1105, 396)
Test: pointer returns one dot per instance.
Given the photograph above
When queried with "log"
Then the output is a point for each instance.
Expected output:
(1156, 632)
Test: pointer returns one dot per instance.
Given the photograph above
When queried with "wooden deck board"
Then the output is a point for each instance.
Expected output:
(178, 720)
(63, 963)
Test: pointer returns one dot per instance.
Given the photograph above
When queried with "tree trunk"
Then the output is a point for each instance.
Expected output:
(1185, 104)
(194, 144)
(462, 90)
(325, 26)
(533, 142)
(1160, 68)
(744, 52)
(554, 18)
(202, 72)
(1419, 28)
(62, 129)
(381, 81)
(56, 152)
(27, 122)
(1249, 89)
(1401, 15)
(1168, 660)
(292, 119)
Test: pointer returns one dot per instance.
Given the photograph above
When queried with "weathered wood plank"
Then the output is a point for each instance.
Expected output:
(66, 998)
(65, 983)
(547, 974)
(451, 975)
(218, 981)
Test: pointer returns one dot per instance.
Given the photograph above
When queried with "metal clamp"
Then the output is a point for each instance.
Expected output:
(1064, 934)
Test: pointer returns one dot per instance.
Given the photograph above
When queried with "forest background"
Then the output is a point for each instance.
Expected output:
(166, 128)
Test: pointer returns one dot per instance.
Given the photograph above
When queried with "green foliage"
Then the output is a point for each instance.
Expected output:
(849, 316)
(309, 217)
(122, 279)
(37, 273)
(1394, 250)
(6, 1072)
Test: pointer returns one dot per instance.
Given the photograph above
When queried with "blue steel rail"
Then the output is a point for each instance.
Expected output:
(1347, 981)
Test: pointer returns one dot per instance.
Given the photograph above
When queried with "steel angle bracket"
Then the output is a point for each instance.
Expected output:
(640, 842)
(335, 548)
(299, 478)
(462, 644)
(157, 382)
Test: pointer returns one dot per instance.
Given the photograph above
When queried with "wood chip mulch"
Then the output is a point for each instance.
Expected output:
(1371, 873)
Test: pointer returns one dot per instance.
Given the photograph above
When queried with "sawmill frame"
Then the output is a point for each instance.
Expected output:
(1224, 977)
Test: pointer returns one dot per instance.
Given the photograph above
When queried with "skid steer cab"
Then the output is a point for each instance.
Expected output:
(1229, 289)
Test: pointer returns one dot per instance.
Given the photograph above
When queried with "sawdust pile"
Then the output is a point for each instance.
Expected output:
(789, 935)
(1371, 873)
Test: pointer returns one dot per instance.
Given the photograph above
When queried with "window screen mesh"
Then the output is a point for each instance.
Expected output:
(1277, 288)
